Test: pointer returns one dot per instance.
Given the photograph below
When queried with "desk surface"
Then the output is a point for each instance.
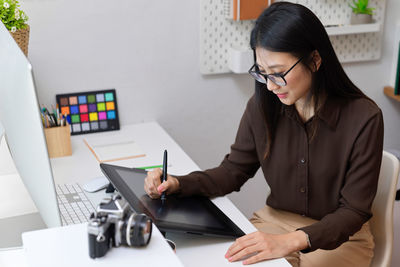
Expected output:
(152, 139)
(58, 242)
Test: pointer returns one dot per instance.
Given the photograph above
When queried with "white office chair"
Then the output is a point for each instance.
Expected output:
(382, 209)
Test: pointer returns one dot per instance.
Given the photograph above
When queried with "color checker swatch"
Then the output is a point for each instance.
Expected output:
(90, 112)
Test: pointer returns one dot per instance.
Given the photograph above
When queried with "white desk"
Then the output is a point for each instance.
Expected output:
(152, 139)
(69, 247)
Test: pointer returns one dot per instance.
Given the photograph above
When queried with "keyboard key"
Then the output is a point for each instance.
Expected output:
(82, 195)
(77, 188)
(73, 203)
(64, 189)
(87, 203)
(71, 189)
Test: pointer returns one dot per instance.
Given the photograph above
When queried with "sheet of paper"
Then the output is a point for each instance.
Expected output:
(113, 148)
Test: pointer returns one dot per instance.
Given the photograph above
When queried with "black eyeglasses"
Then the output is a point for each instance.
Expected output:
(276, 78)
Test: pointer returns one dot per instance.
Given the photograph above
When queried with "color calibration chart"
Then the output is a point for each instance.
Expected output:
(89, 112)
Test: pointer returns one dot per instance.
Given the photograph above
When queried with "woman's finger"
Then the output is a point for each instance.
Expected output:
(245, 252)
(238, 244)
(151, 182)
(149, 185)
(254, 259)
(166, 186)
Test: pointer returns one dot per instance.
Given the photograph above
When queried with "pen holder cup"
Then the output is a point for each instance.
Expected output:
(58, 141)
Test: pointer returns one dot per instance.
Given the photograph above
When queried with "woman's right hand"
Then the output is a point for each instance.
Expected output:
(154, 187)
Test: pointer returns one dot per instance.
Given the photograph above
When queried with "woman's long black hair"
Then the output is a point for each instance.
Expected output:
(293, 28)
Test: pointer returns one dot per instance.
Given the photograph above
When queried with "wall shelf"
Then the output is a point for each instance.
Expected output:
(219, 35)
(243, 55)
(389, 91)
(353, 29)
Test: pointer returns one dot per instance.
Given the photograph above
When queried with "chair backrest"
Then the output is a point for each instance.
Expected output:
(382, 210)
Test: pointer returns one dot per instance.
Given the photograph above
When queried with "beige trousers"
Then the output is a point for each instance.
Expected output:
(358, 251)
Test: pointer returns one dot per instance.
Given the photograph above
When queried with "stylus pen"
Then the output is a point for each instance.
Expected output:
(164, 176)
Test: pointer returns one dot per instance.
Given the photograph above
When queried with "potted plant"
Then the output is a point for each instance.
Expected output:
(15, 21)
(361, 12)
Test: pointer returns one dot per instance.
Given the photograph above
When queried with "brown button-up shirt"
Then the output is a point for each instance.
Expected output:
(331, 177)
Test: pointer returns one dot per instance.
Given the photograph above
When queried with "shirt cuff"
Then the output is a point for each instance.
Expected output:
(308, 249)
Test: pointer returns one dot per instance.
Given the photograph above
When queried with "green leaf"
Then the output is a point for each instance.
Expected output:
(7, 16)
(361, 7)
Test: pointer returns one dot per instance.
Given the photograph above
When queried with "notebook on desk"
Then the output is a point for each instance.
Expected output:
(194, 215)
(115, 148)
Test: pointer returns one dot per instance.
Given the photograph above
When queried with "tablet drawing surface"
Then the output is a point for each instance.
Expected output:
(195, 214)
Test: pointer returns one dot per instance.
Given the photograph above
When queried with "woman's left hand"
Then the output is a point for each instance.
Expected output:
(263, 246)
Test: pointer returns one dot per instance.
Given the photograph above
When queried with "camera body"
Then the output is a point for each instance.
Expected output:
(114, 224)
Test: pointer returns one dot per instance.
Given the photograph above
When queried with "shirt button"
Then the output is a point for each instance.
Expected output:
(302, 189)
(303, 160)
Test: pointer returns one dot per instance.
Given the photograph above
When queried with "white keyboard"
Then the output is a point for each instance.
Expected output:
(74, 206)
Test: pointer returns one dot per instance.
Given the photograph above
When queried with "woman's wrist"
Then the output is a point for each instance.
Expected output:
(298, 241)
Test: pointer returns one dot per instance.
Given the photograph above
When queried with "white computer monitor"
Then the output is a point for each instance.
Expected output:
(1, 131)
(23, 130)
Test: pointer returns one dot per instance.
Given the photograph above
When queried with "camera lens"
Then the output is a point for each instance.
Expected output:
(136, 231)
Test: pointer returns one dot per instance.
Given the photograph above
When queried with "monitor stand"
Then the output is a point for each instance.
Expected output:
(14, 225)
(1, 132)
(7, 165)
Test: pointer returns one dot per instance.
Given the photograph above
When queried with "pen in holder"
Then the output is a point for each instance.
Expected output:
(58, 141)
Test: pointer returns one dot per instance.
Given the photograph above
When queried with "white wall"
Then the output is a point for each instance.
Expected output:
(148, 50)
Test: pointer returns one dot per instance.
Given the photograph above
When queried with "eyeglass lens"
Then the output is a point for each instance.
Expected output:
(262, 78)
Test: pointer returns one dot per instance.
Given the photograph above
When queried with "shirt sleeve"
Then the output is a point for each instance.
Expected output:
(357, 193)
(236, 168)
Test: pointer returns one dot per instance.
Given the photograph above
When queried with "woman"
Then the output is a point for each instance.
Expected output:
(318, 140)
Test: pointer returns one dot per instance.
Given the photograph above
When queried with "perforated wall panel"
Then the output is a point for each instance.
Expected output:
(218, 34)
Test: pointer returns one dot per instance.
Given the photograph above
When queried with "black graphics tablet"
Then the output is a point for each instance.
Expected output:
(195, 215)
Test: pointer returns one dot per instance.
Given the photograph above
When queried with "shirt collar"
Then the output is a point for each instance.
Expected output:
(329, 113)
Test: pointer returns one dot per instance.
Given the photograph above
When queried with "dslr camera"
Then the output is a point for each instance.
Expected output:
(114, 224)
